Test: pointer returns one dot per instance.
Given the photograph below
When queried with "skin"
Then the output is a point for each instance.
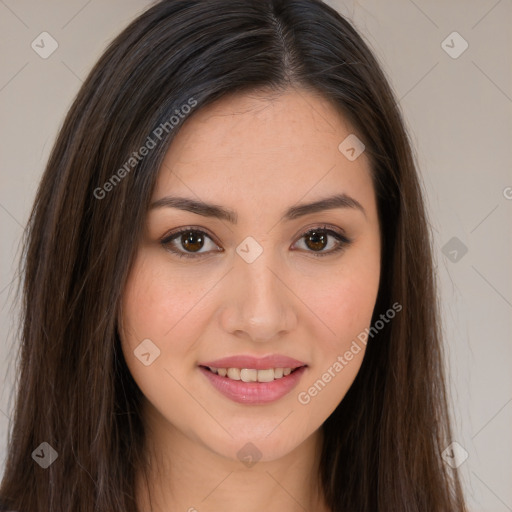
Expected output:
(258, 155)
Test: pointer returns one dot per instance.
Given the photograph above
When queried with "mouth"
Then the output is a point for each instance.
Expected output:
(252, 374)
(253, 386)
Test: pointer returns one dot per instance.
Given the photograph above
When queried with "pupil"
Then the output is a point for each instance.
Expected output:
(318, 240)
(192, 241)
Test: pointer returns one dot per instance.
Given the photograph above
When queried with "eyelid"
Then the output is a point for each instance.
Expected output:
(170, 234)
(322, 226)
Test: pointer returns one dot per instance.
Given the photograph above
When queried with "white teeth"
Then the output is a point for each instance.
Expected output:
(249, 375)
(252, 375)
(266, 375)
(234, 373)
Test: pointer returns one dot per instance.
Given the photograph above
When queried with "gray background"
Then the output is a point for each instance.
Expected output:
(457, 111)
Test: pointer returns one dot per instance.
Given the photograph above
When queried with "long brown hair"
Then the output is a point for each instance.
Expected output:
(382, 445)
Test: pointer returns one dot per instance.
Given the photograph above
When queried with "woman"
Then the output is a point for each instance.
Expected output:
(229, 299)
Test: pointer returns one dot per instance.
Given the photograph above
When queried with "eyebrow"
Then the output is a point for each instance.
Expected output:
(219, 212)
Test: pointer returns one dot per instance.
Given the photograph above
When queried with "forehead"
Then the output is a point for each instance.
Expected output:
(249, 145)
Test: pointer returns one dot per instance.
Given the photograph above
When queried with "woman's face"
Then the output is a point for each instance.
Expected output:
(259, 285)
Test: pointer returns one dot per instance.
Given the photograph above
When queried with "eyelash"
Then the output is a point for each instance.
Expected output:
(343, 241)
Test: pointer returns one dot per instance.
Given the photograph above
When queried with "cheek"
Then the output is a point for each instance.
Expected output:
(156, 301)
(345, 301)
(347, 310)
(338, 357)
(344, 298)
(167, 307)
(349, 305)
(155, 305)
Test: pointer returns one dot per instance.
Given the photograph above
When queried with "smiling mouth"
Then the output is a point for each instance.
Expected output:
(251, 374)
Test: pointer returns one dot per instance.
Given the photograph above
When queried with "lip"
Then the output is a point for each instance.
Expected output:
(253, 393)
(256, 363)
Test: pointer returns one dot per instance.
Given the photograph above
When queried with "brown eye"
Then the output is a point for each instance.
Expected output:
(189, 243)
(316, 240)
(192, 240)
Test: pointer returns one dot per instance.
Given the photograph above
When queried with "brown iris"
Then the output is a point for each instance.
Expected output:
(192, 240)
(316, 240)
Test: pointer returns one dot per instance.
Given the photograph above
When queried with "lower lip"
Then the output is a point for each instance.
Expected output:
(254, 392)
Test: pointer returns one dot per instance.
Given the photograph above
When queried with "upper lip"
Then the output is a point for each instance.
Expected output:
(256, 363)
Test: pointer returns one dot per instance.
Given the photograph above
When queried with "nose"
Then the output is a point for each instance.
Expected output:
(258, 301)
